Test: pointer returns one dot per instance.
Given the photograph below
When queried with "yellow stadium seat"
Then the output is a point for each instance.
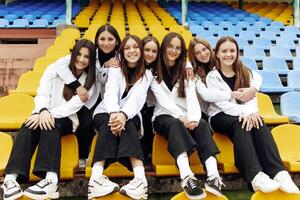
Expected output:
(114, 196)
(42, 63)
(69, 158)
(226, 157)
(176, 28)
(14, 109)
(6, 143)
(286, 137)
(63, 41)
(114, 170)
(28, 83)
(71, 33)
(267, 111)
(57, 52)
(278, 194)
(164, 163)
(209, 196)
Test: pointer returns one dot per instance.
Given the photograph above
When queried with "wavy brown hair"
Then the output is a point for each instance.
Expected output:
(155, 65)
(241, 71)
(201, 69)
(68, 92)
(140, 68)
(180, 63)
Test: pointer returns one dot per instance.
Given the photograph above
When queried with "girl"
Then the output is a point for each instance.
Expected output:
(152, 61)
(118, 124)
(54, 115)
(202, 58)
(177, 116)
(256, 154)
(107, 42)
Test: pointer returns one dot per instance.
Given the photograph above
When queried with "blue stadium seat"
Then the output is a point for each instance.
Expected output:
(281, 52)
(212, 41)
(215, 29)
(240, 16)
(271, 83)
(242, 43)
(4, 23)
(225, 24)
(19, 13)
(195, 29)
(233, 20)
(205, 34)
(37, 13)
(262, 43)
(243, 24)
(20, 23)
(57, 22)
(292, 29)
(267, 21)
(290, 35)
(247, 35)
(217, 20)
(10, 17)
(260, 24)
(272, 35)
(275, 65)
(277, 24)
(207, 24)
(250, 63)
(250, 20)
(296, 63)
(254, 29)
(289, 105)
(48, 17)
(273, 29)
(3, 13)
(255, 53)
(40, 23)
(226, 33)
(293, 79)
(286, 42)
(236, 29)
(29, 17)
(254, 16)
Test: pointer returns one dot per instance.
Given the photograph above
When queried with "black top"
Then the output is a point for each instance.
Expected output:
(103, 57)
(229, 80)
(131, 72)
(168, 77)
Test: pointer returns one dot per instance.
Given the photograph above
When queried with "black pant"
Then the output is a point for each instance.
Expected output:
(111, 148)
(254, 151)
(85, 132)
(180, 139)
(48, 154)
(147, 139)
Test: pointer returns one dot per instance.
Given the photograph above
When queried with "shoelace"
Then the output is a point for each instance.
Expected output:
(191, 181)
(10, 185)
(217, 181)
(44, 182)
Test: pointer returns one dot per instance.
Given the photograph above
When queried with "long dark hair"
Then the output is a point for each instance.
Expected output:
(241, 71)
(111, 30)
(180, 64)
(68, 93)
(140, 68)
(201, 69)
(155, 65)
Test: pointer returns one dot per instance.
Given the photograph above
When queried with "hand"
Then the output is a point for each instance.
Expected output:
(189, 74)
(193, 125)
(247, 94)
(185, 121)
(82, 93)
(117, 124)
(256, 120)
(32, 122)
(246, 122)
(46, 120)
(236, 94)
(113, 62)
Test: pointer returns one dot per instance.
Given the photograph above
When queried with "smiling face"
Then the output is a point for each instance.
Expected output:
(132, 52)
(173, 50)
(202, 53)
(150, 52)
(106, 42)
(82, 60)
(227, 53)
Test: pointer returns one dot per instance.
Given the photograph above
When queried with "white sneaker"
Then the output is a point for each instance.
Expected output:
(192, 188)
(82, 163)
(136, 189)
(262, 182)
(101, 186)
(45, 189)
(286, 183)
(11, 190)
(213, 184)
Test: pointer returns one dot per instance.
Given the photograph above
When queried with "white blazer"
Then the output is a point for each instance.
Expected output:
(50, 96)
(100, 79)
(132, 104)
(230, 107)
(168, 102)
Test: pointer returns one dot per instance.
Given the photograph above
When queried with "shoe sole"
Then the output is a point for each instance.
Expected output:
(212, 190)
(196, 197)
(144, 196)
(54, 195)
(16, 196)
(94, 195)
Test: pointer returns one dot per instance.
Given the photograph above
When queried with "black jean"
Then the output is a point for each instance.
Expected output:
(180, 139)
(48, 154)
(254, 151)
(85, 132)
(147, 139)
(111, 148)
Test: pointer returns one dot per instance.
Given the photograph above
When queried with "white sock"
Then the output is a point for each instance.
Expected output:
(211, 167)
(52, 176)
(12, 177)
(97, 170)
(139, 172)
(184, 165)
